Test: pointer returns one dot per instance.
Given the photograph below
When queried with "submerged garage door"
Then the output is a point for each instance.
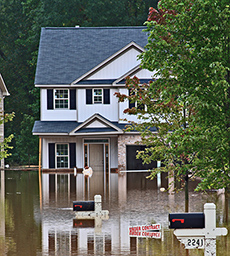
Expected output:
(136, 164)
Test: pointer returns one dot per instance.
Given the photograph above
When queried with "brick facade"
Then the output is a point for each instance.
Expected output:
(124, 140)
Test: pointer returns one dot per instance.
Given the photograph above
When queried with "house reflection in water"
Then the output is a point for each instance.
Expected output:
(80, 236)
(62, 232)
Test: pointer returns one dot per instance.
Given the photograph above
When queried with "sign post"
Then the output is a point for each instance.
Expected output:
(202, 238)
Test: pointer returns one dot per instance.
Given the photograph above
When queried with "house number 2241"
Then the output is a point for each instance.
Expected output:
(195, 243)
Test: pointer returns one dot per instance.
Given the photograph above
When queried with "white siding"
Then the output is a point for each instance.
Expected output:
(124, 105)
(45, 153)
(119, 66)
(79, 150)
(55, 114)
(145, 74)
(109, 111)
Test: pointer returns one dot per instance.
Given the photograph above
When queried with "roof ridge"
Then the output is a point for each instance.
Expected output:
(112, 27)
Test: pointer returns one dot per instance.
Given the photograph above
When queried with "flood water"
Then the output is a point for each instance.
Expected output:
(38, 219)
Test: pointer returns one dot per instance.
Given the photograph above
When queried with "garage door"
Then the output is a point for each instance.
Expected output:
(136, 164)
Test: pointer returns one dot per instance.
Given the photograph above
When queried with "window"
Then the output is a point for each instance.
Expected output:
(62, 155)
(136, 104)
(61, 98)
(97, 96)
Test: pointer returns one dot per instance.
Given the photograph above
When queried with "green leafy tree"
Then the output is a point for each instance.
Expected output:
(189, 49)
(192, 48)
(27, 146)
(5, 142)
(178, 146)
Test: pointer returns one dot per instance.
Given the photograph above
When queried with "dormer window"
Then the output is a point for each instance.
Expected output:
(61, 98)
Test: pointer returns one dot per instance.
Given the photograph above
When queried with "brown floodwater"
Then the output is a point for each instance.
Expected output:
(38, 219)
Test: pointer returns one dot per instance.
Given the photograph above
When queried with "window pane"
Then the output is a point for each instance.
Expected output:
(97, 92)
(61, 103)
(61, 98)
(61, 94)
(62, 149)
(62, 162)
(97, 96)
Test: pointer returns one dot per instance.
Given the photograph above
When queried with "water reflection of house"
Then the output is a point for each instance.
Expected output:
(71, 235)
(3, 92)
(78, 72)
(85, 236)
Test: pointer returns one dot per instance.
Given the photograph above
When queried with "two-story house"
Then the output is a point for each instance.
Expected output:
(81, 121)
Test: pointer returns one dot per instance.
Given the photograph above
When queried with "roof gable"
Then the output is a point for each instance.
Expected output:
(3, 87)
(115, 66)
(96, 124)
(66, 54)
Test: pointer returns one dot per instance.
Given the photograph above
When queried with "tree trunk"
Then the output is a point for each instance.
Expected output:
(226, 206)
(186, 193)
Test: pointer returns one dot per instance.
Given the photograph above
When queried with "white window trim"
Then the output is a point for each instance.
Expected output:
(56, 156)
(102, 96)
(61, 98)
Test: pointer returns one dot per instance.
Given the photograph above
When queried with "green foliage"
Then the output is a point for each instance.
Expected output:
(27, 145)
(189, 49)
(5, 144)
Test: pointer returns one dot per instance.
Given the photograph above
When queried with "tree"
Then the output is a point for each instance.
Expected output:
(4, 144)
(188, 48)
(27, 147)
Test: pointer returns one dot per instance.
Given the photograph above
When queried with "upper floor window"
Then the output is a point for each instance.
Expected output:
(61, 98)
(136, 104)
(97, 96)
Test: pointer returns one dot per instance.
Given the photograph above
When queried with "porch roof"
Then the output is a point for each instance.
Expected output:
(65, 127)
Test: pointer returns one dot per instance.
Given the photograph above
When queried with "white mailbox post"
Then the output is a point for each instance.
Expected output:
(202, 238)
(98, 214)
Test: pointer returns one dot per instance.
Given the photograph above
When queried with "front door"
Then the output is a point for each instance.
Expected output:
(96, 157)
(96, 162)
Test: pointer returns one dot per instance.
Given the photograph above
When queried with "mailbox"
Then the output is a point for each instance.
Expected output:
(79, 223)
(186, 220)
(83, 206)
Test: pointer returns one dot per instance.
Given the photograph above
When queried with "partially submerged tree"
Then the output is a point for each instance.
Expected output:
(178, 146)
(5, 143)
(189, 49)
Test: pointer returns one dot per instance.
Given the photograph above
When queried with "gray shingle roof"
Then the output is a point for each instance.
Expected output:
(66, 54)
(68, 126)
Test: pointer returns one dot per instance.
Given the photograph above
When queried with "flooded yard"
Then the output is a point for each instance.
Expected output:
(38, 219)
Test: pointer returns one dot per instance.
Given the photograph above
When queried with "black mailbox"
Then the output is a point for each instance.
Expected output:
(186, 220)
(88, 223)
(83, 205)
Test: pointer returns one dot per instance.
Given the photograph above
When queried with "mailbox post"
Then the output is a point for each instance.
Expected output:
(198, 237)
(91, 210)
